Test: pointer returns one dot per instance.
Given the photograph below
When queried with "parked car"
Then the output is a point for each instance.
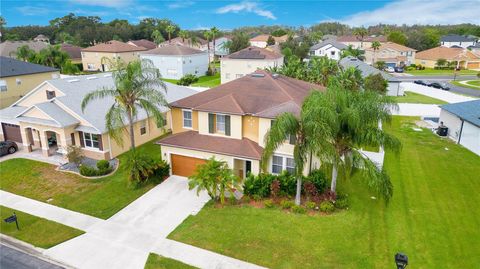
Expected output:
(8, 147)
(420, 82)
(435, 85)
(399, 69)
(389, 69)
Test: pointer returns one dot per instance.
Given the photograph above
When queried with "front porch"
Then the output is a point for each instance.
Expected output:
(36, 155)
(46, 142)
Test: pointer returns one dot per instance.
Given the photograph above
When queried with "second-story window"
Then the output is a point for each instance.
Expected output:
(221, 123)
(187, 118)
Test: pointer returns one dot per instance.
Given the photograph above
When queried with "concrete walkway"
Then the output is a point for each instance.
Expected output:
(126, 239)
(435, 93)
(35, 155)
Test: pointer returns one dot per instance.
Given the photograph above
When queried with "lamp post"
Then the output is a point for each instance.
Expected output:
(401, 260)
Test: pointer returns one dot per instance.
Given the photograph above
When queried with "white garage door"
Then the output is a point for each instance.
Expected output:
(471, 137)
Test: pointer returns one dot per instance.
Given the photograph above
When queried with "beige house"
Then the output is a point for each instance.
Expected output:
(261, 40)
(357, 43)
(230, 121)
(95, 58)
(392, 54)
(464, 58)
(17, 78)
(246, 61)
(50, 118)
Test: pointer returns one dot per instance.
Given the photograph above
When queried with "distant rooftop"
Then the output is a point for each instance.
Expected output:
(254, 53)
(332, 42)
(174, 49)
(365, 68)
(457, 38)
(10, 67)
(114, 46)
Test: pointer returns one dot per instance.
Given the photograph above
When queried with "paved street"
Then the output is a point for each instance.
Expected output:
(446, 96)
(11, 258)
(436, 78)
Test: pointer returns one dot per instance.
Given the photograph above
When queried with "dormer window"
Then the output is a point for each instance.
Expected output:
(50, 94)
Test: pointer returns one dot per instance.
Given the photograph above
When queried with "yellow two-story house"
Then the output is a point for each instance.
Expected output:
(230, 123)
(98, 57)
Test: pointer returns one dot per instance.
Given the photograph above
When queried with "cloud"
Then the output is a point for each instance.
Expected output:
(103, 3)
(32, 10)
(419, 12)
(180, 4)
(246, 6)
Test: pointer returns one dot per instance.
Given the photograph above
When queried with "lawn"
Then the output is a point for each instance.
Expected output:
(155, 261)
(96, 197)
(433, 217)
(438, 72)
(472, 84)
(203, 81)
(36, 231)
(412, 97)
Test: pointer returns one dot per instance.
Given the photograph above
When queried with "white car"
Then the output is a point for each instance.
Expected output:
(390, 69)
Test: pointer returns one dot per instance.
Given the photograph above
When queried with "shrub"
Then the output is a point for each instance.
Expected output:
(310, 205)
(288, 184)
(258, 185)
(268, 203)
(327, 207)
(162, 170)
(478, 75)
(187, 80)
(318, 178)
(142, 166)
(246, 199)
(341, 203)
(103, 164)
(257, 197)
(275, 188)
(74, 155)
(87, 171)
(298, 209)
(287, 204)
(310, 190)
(232, 200)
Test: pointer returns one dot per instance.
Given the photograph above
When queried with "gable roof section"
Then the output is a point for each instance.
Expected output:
(365, 68)
(467, 111)
(254, 53)
(258, 94)
(75, 52)
(113, 46)
(450, 54)
(58, 116)
(11, 67)
(174, 50)
(143, 43)
(331, 42)
(457, 38)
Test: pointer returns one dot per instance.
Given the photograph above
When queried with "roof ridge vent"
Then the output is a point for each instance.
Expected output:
(258, 75)
(73, 80)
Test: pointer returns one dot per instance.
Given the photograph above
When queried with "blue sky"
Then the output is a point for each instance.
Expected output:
(191, 14)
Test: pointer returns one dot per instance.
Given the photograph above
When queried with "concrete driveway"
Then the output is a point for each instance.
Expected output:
(126, 239)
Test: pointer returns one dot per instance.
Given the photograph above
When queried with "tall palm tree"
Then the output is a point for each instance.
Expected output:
(214, 31)
(157, 37)
(350, 79)
(24, 53)
(360, 33)
(375, 46)
(322, 69)
(208, 36)
(353, 119)
(183, 34)
(170, 29)
(309, 136)
(193, 40)
(138, 86)
(350, 51)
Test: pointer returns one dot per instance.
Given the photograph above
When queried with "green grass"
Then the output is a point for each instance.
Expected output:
(412, 97)
(155, 261)
(203, 81)
(433, 217)
(472, 84)
(96, 197)
(438, 72)
(36, 231)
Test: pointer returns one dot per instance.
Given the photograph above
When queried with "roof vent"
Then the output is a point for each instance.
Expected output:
(258, 75)
(275, 75)
(107, 75)
(73, 80)
(90, 78)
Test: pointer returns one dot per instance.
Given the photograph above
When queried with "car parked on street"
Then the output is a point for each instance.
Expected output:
(420, 82)
(8, 147)
(438, 85)
(389, 69)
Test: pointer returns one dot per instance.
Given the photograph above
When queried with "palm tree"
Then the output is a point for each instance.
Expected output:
(350, 51)
(375, 46)
(24, 53)
(309, 134)
(353, 119)
(350, 79)
(360, 33)
(170, 29)
(208, 36)
(322, 69)
(157, 37)
(183, 34)
(138, 85)
(215, 32)
(193, 40)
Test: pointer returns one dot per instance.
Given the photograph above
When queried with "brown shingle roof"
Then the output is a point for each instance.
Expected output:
(259, 94)
(393, 46)
(114, 46)
(143, 43)
(244, 148)
(254, 53)
(75, 52)
(174, 49)
(352, 38)
(449, 54)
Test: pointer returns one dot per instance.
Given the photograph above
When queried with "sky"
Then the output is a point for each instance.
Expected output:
(195, 15)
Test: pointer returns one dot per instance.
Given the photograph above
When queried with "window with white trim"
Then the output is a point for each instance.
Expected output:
(220, 123)
(187, 118)
(290, 165)
(18, 81)
(280, 163)
(277, 163)
(91, 66)
(91, 140)
(3, 86)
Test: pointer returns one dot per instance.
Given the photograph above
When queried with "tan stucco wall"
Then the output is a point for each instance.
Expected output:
(28, 83)
(39, 95)
(235, 126)
(95, 58)
(231, 67)
(36, 113)
(177, 121)
(250, 128)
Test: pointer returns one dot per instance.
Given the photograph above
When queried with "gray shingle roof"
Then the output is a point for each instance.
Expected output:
(332, 42)
(456, 38)
(365, 68)
(467, 111)
(11, 67)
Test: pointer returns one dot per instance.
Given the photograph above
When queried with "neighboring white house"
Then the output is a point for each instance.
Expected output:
(457, 41)
(463, 122)
(246, 61)
(175, 61)
(393, 89)
(329, 48)
(220, 49)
